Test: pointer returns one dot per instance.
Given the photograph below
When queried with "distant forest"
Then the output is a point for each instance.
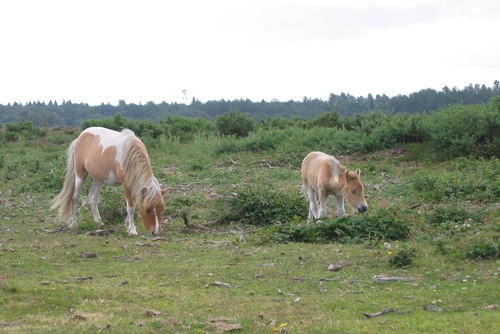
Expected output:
(67, 113)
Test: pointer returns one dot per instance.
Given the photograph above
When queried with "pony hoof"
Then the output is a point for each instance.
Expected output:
(133, 233)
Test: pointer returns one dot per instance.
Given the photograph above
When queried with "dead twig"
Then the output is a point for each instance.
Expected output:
(268, 163)
(227, 285)
(100, 232)
(141, 244)
(229, 160)
(56, 230)
(82, 278)
(285, 293)
(383, 279)
(188, 225)
(6, 240)
(384, 311)
(153, 239)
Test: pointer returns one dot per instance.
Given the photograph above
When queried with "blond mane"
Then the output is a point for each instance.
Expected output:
(138, 175)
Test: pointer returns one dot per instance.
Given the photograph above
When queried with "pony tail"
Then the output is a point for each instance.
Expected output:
(63, 201)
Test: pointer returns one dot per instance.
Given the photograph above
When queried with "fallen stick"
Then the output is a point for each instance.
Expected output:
(6, 240)
(285, 293)
(56, 230)
(384, 311)
(153, 239)
(383, 279)
(227, 285)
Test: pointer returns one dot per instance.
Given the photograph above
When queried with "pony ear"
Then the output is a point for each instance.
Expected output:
(358, 171)
(164, 191)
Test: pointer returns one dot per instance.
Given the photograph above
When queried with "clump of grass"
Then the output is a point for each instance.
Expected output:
(484, 250)
(403, 258)
(379, 226)
(6, 287)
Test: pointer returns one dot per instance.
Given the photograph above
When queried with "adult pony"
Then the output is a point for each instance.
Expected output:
(323, 175)
(112, 158)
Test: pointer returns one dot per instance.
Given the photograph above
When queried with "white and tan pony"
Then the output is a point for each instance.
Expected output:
(112, 158)
(323, 175)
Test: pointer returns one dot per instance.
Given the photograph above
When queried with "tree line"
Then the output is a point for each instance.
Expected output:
(67, 113)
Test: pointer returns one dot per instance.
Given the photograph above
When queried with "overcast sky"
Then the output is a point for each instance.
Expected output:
(150, 50)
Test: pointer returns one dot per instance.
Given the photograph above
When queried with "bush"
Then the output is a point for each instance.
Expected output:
(186, 128)
(461, 130)
(484, 250)
(263, 205)
(454, 214)
(23, 129)
(344, 230)
(235, 123)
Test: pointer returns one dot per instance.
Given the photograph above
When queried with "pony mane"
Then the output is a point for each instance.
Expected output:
(137, 171)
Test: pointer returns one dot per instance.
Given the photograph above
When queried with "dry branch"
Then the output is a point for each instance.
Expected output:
(227, 285)
(383, 279)
(6, 240)
(285, 293)
(56, 230)
(384, 311)
(188, 225)
(82, 278)
(268, 163)
(153, 239)
(229, 160)
(100, 232)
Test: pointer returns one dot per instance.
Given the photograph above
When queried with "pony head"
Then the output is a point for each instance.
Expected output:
(150, 211)
(354, 192)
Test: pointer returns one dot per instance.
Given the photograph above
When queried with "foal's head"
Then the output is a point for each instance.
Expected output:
(354, 192)
(150, 215)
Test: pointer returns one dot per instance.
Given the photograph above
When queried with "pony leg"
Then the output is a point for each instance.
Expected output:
(94, 200)
(340, 205)
(313, 204)
(129, 220)
(74, 200)
(322, 203)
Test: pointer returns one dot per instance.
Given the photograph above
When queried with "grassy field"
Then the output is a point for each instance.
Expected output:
(214, 278)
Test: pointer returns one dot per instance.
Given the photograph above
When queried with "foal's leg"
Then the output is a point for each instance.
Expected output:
(74, 200)
(340, 205)
(129, 221)
(94, 200)
(313, 204)
(322, 203)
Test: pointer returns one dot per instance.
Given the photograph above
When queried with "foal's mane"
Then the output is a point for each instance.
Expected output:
(137, 171)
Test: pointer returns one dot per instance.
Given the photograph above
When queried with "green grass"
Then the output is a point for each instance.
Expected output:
(49, 287)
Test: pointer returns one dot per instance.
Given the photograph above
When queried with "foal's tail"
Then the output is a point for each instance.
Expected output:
(63, 201)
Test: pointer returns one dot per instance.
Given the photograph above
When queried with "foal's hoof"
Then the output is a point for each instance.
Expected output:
(133, 233)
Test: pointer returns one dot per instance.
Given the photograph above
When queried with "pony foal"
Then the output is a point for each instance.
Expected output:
(323, 175)
(112, 158)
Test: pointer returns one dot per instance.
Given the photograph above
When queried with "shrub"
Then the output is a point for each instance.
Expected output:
(344, 230)
(186, 128)
(23, 129)
(454, 214)
(461, 130)
(235, 123)
(262, 205)
(484, 250)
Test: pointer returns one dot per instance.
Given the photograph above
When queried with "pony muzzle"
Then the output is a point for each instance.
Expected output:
(362, 208)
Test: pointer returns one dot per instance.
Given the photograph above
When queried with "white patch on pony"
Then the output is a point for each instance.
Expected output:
(112, 180)
(335, 173)
(107, 140)
(157, 224)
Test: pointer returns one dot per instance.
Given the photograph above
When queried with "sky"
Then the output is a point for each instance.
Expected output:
(145, 51)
